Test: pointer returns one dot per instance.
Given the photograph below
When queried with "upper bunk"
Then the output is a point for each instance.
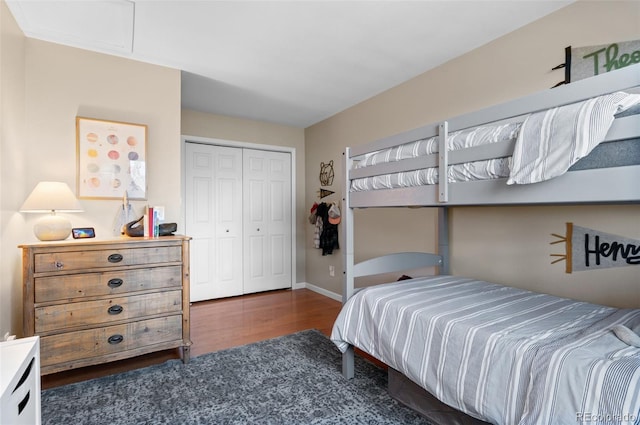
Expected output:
(512, 153)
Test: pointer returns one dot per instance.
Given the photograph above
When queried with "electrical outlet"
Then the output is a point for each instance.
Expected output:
(332, 271)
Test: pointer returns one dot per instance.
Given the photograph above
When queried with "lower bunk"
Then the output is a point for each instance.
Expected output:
(498, 354)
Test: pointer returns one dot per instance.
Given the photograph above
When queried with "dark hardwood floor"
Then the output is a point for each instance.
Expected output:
(226, 323)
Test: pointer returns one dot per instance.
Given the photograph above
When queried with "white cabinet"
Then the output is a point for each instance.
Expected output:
(20, 381)
(238, 204)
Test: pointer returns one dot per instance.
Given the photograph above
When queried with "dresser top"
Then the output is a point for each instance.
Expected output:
(108, 241)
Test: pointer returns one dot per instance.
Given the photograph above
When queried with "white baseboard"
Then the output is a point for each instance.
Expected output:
(319, 290)
(299, 285)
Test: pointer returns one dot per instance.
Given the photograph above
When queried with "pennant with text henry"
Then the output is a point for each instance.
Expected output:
(588, 249)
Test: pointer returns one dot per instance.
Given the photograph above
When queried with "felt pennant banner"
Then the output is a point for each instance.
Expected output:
(323, 193)
(588, 61)
(588, 249)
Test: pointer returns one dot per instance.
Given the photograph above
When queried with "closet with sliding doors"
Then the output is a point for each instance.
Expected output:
(238, 211)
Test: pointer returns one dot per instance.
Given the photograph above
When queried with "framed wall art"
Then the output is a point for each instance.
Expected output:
(111, 159)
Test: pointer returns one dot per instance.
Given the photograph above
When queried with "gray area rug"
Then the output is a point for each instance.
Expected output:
(294, 379)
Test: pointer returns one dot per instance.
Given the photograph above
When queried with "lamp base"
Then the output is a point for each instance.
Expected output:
(52, 228)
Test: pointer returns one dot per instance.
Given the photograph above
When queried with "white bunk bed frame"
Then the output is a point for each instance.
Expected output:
(575, 187)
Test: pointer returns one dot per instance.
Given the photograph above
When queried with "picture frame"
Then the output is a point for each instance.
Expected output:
(111, 159)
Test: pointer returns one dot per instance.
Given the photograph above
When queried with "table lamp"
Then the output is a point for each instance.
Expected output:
(51, 197)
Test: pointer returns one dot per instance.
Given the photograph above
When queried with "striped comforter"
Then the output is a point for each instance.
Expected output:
(500, 354)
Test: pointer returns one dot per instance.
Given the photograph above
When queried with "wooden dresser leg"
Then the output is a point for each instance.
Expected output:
(186, 353)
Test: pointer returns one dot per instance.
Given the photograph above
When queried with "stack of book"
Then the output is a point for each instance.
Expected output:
(151, 222)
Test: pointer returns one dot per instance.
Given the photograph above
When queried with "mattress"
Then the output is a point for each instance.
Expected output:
(499, 354)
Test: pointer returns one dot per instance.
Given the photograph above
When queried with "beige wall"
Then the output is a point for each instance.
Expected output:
(59, 83)
(13, 173)
(506, 245)
(213, 126)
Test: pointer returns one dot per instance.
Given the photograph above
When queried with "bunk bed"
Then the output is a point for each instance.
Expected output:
(468, 351)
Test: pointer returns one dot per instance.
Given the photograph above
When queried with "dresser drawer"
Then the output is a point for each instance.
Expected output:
(83, 259)
(55, 288)
(79, 345)
(87, 313)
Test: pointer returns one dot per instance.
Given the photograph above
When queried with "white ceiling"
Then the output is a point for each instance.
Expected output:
(288, 62)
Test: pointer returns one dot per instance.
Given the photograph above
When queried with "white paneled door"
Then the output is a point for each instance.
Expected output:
(267, 220)
(213, 202)
(238, 212)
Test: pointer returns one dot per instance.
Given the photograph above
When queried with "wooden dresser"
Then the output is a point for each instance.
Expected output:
(102, 300)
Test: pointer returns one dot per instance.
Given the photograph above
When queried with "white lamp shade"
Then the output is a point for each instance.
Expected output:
(51, 197)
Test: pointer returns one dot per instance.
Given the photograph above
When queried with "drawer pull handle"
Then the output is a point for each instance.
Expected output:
(58, 265)
(25, 375)
(115, 309)
(114, 258)
(115, 339)
(114, 283)
(23, 403)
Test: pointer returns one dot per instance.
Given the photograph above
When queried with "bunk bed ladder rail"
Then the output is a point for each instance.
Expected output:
(347, 229)
(443, 162)
(348, 365)
(443, 196)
